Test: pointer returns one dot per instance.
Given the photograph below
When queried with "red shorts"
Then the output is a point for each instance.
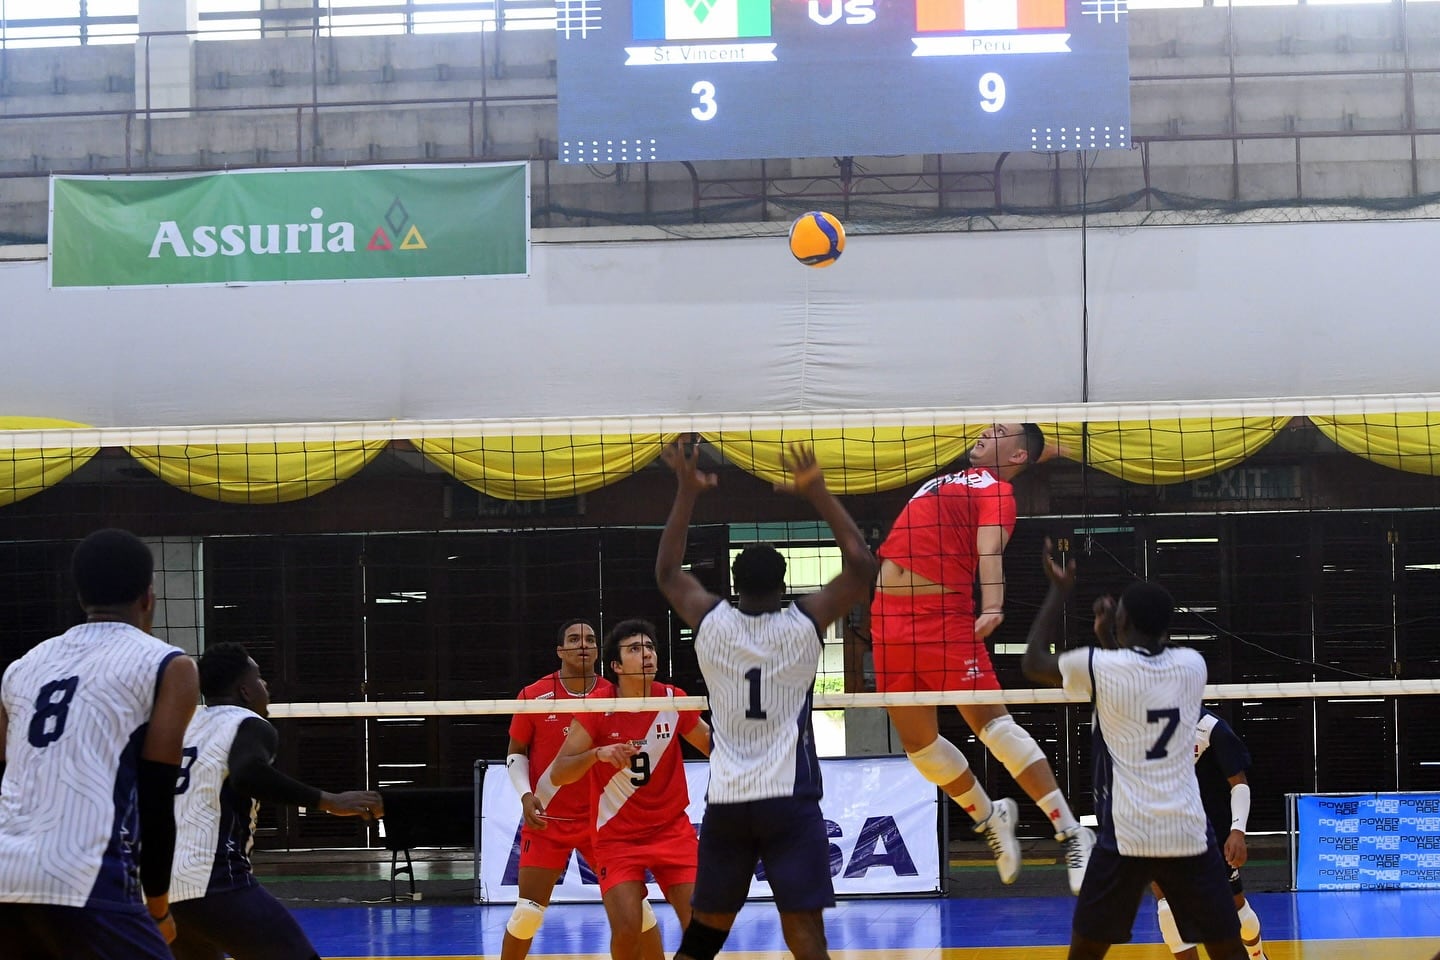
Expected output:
(669, 853)
(549, 849)
(927, 642)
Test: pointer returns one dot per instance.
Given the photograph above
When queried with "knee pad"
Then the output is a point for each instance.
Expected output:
(1169, 930)
(701, 942)
(940, 763)
(1009, 743)
(525, 919)
(647, 916)
(1249, 923)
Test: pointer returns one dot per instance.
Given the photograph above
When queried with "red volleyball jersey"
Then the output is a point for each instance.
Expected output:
(934, 535)
(630, 804)
(546, 733)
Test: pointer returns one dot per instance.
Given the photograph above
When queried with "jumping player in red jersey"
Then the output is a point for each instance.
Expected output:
(638, 795)
(557, 821)
(928, 637)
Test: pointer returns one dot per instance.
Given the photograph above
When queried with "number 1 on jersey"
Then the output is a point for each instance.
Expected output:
(752, 677)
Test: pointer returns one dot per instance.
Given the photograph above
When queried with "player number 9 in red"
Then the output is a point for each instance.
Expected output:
(992, 92)
(704, 90)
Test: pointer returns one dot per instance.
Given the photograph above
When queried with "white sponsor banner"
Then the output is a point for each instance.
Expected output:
(691, 54)
(978, 46)
(881, 816)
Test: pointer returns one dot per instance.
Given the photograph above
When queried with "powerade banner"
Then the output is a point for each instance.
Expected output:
(881, 816)
(1380, 841)
(290, 226)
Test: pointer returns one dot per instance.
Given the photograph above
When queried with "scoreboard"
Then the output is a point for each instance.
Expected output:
(643, 80)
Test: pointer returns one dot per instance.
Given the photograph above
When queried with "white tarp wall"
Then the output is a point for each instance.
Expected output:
(710, 326)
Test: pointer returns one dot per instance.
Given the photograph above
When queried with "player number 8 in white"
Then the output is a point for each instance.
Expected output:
(992, 92)
(705, 90)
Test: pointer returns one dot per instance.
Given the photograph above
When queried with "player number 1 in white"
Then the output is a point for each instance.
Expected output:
(992, 92)
(705, 90)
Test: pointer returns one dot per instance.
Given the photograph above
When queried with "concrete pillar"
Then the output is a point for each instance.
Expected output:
(179, 592)
(165, 55)
(289, 28)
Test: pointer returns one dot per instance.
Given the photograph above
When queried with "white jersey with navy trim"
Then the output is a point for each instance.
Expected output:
(1146, 708)
(760, 677)
(78, 707)
(214, 825)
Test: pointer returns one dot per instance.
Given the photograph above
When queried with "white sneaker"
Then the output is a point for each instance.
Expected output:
(1078, 844)
(999, 831)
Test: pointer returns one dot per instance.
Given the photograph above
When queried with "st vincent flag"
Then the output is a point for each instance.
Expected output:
(700, 19)
(964, 15)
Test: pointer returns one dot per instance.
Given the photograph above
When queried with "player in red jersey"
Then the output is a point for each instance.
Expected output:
(927, 637)
(557, 821)
(638, 795)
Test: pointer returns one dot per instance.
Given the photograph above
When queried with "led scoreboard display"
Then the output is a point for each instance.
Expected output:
(642, 80)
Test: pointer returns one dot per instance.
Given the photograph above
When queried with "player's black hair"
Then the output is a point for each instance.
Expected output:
(624, 630)
(111, 568)
(1148, 607)
(1034, 442)
(560, 634)
(221, 667)
(758, 570)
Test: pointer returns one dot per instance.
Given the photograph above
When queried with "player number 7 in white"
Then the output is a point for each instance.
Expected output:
(705, 90)
(992, 92)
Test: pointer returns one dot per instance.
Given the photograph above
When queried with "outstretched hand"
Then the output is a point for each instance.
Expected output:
(683, 456)
(1062, 577)
(1104, 626)
(806, 477)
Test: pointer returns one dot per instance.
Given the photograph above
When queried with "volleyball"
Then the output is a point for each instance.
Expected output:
(817, 239)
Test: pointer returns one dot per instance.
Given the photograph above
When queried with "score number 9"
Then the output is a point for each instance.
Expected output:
(992, 92)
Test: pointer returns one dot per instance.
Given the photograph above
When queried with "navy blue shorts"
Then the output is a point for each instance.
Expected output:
(786, 834)
(248, 924)
(1198, 889)
(42, 930)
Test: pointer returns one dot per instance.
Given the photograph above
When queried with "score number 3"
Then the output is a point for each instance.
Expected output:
(992, 92)
(705, 90)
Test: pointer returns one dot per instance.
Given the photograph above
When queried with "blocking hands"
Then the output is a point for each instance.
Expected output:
(683, 456)
(806, 477)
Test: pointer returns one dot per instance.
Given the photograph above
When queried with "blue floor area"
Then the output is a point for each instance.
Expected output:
(421, 931)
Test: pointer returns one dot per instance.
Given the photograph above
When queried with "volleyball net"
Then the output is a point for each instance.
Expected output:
(399, 582)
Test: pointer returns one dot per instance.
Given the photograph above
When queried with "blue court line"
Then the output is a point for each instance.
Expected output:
(898, 924)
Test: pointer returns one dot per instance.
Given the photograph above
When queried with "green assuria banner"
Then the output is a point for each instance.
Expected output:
(291, 226)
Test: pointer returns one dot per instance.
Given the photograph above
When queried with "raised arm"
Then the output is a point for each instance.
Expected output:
(990, 541)
(857, 564)
(684, 592)
(1040, 663)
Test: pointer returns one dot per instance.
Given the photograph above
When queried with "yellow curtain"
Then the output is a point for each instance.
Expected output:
(1401, 441)
(540, 468)
(1167, 451)
(25, 472)
(258, 472)
(855, 459)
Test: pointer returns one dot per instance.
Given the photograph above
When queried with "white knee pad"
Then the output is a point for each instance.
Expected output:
(1008, 742)
(940, 763)
(525, 919)
(1249, 923)
(1169, 930)
(647, 916)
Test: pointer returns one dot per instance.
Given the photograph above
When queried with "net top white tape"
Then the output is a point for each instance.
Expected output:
(832, 701)
(386, 430)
